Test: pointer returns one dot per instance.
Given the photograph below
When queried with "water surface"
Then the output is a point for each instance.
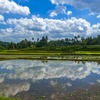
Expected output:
(52, 80)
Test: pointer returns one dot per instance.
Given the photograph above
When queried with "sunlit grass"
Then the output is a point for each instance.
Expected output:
(87, 52)
(37, 52)
(5, 98)
(49, 55)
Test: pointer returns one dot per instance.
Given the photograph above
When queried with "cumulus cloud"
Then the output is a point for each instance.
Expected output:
(95, 29)
(98, 16)
(58, 10)
(52, 14)
(7, 6)
(92, 5)
(69, 12)
(55, 28)
(1, 18)
(18, 29)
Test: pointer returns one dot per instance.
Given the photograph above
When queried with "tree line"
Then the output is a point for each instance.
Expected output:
(45, 42)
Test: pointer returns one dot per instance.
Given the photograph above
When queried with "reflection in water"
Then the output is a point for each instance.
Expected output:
(17, 76)
(13, 89)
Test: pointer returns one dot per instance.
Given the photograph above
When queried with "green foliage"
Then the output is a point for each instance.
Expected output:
(67, 44)
(43, 42)
(2, 48)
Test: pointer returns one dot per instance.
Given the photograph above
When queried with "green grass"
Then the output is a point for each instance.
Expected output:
(5, 98)
(88, 52)
(28, 52)
(44, 54)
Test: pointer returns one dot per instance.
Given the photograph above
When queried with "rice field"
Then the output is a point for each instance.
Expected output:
(49, 55)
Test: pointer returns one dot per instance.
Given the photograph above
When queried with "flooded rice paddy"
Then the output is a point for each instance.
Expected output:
(50, 80)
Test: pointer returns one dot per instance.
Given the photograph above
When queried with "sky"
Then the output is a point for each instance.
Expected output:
(57, 19)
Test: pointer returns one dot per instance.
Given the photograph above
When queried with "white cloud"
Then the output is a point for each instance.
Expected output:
(53, 14)
(69, 12)
(1, 18)
(98, 16)
(80, 28)
(7, 6)
(53, 1)
(96, 29)
(54, 28)
(93, 5)
(58, 10)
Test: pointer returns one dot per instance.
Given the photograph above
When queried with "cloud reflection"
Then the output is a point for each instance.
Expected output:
(27, 71)
(37, 70)
(12, 90)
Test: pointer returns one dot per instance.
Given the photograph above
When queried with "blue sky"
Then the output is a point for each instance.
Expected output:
(20, 19)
